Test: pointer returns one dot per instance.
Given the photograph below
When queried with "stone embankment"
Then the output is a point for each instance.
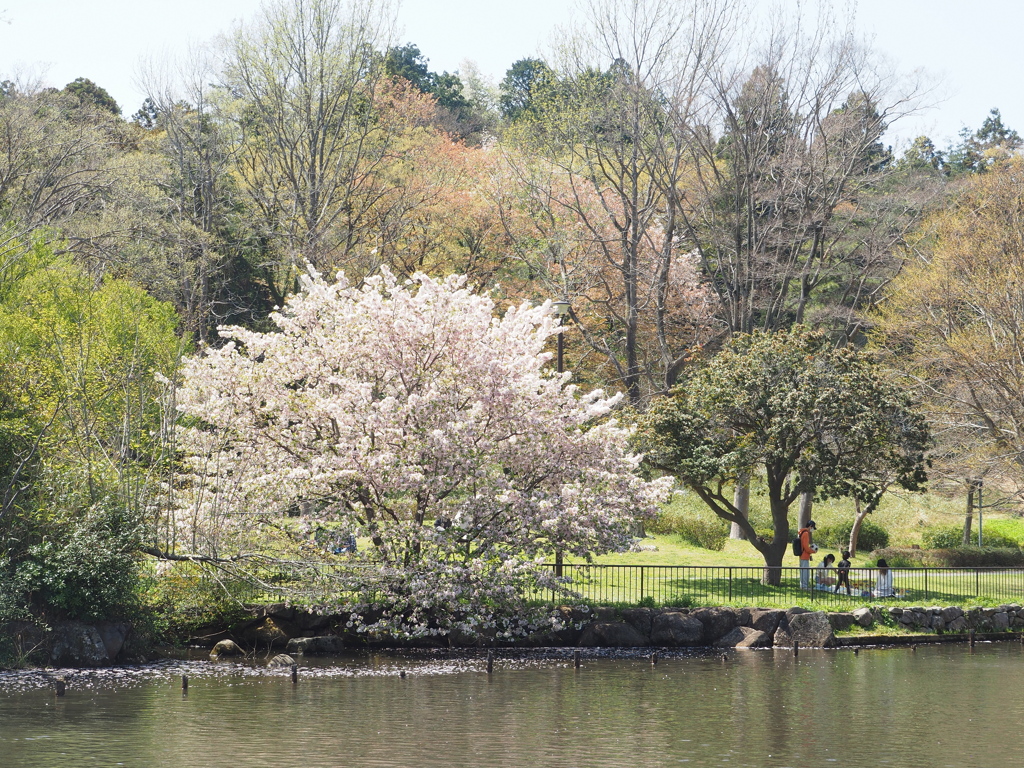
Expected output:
(279, 627)
(298, 632)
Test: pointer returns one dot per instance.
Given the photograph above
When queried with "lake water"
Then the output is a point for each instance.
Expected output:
(938, 706)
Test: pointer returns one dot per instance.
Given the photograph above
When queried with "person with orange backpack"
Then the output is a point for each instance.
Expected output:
(807, 550)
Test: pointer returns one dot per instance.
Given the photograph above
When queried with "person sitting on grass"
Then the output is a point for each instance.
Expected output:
(822, 577)
(843, 573)
(883, 585)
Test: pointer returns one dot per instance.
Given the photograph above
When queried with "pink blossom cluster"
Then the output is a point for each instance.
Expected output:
(421, 420)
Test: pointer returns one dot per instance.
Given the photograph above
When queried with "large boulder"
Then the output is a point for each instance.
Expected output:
(226, 648)
(612, 634)
(766, 619)
(959, 624)
(841, 620)
(718, 622)
(745, 637)
(782, 638)
(639, 618)
(114, 635)
(1001, 622)
(269, 633)
(310, 646)
(812, 630)
(951, 614)
(674, 629)
(864, 617)
(74, 644)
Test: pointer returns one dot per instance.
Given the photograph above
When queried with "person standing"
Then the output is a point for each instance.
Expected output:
(806, 554)
(844, 573)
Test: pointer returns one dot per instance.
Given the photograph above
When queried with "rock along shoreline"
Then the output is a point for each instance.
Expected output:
(297, 632)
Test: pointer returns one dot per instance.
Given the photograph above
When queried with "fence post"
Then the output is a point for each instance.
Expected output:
(926, 581)
(641, 583)
(730, 584)
(977, 582)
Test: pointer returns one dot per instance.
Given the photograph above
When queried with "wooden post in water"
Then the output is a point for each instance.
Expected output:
(184, 685)
(972, 638)
(59, 686)
(295, 673)
(654, 659)
(796, 648)
(490, 662)
(576, 658)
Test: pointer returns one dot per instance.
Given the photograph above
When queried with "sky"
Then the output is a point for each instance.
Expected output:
(975, 56)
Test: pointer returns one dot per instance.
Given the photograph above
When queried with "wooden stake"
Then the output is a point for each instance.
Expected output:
(576, 658)
(59, 686)
(490, 662)
(184, 684)
(796, 648)
(654, 658)
(295, 673)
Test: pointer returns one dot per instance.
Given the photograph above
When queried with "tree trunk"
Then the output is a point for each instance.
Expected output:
(806, 502)
(741, 500)
(969, 517)
(772, 575)
(859, 517)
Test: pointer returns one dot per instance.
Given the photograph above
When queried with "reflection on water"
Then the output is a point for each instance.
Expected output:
(936, 706)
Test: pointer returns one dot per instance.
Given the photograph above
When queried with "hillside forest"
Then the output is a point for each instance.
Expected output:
(675, 177)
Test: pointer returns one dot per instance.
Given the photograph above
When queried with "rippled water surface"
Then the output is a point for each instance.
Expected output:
(936, 706)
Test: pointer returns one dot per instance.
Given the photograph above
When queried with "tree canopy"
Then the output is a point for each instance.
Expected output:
(792, 408)
(409, 413)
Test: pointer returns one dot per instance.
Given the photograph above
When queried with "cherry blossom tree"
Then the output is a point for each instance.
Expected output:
(413, 415)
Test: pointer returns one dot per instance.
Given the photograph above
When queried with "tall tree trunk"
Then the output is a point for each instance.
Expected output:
(772, 574)
(741, 500)
(969, 516)
(859, 517)
(806, 502)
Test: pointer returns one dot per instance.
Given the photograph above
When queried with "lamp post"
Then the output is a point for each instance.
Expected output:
(561, 308)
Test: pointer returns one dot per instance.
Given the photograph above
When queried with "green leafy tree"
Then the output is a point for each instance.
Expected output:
(81, 417)
(523, 82)
(978, 151)
(406, 62)
(83, 437)
(804, 415)
(93, 96)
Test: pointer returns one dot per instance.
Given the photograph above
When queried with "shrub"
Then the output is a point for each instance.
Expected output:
(87, 568)
(703, 530)
(951, 537)
(996, 539)
(837, 536)
(1011, 528)
(959, 557)
(13, 591)
(184, 599)
(947, 537)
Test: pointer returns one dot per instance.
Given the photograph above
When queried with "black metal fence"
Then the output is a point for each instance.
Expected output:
(656, 585)
(754, 585)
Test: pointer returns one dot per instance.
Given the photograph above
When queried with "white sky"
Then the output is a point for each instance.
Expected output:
(976, 48)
